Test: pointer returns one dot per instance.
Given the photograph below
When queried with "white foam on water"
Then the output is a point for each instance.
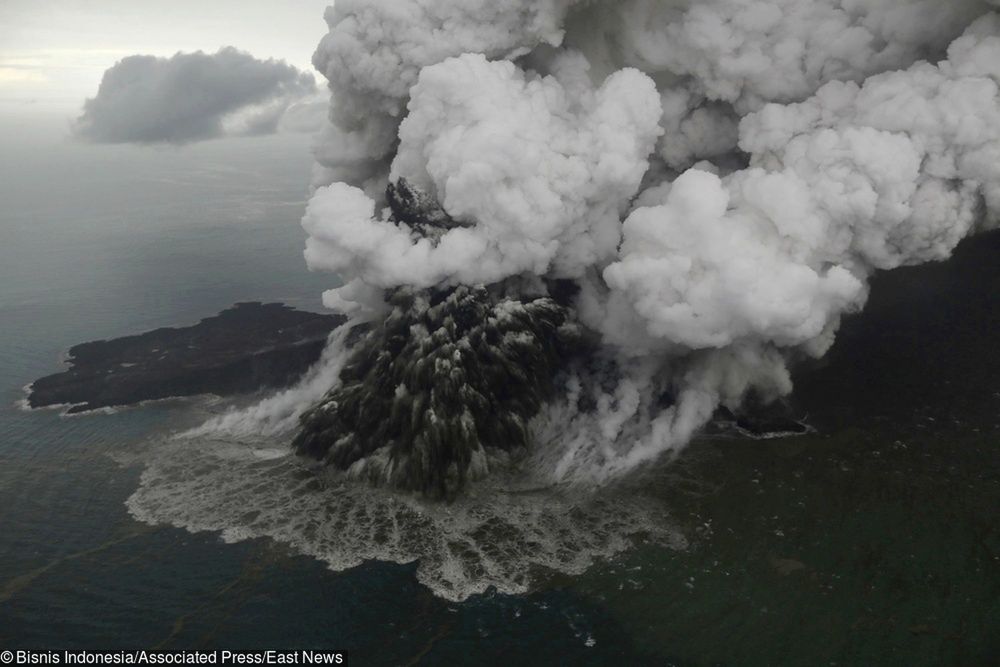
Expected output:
(505, 533)
(775, 435)
(24, 403)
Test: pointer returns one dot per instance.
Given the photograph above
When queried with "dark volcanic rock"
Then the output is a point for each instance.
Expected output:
(245, 348)
(770, 425)
(418, 210)
(759, 420)
(448, 374)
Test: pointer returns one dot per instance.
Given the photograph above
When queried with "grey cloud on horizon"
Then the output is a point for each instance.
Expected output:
(192, 97)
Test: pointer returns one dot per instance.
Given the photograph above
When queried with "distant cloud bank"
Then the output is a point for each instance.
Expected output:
(195, 96)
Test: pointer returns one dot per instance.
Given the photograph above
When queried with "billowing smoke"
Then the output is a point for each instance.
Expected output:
(715, 179)
(195, 96)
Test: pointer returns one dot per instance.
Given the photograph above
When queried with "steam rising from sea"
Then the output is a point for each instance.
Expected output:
(719, 178)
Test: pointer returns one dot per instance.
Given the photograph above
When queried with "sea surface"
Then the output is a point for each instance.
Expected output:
(874, 540)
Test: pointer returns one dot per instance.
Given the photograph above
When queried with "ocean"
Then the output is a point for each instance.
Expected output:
(873, 540)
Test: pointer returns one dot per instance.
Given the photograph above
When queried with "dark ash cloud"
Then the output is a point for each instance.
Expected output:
(190, 97)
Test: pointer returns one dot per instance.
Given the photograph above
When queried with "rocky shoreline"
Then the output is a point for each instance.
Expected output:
(245, 348)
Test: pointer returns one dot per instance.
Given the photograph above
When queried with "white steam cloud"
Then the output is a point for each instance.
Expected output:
(195, 96)
(720, 177)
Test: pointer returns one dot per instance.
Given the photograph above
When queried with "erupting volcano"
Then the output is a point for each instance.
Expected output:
(623, 215)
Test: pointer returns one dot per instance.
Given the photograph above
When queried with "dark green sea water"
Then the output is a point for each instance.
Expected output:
(871, 542)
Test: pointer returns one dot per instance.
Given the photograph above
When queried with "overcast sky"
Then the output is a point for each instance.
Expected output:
(53, 52)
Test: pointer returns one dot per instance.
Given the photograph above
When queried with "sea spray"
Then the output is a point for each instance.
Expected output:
(281, 412)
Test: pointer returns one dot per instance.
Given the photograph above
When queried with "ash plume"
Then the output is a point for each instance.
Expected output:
(716, 181)
(195, 96)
